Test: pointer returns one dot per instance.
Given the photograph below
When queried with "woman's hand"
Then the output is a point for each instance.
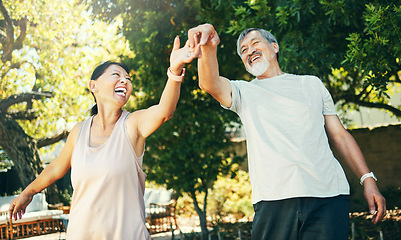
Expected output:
(180, 56)
(19, 205)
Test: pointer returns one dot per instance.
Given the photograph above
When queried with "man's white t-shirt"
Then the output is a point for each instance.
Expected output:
(288, 149)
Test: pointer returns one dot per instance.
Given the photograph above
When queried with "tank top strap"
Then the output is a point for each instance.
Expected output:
(140, 157)
(84, 126)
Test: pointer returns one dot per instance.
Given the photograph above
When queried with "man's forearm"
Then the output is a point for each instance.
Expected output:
(208, 69)
(351, 153)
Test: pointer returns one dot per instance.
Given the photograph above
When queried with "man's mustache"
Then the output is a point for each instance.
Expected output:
(253, 54)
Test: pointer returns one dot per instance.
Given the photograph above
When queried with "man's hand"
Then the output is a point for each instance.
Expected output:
(376, 202)
(204, 34)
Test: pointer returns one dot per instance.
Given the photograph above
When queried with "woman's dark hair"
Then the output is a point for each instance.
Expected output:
(99, 70)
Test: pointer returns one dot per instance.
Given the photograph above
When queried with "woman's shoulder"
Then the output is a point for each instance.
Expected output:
(133, 116)
(74, 133)
(77, 127)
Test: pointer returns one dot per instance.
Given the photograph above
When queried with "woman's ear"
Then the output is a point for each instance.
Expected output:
(92, 86)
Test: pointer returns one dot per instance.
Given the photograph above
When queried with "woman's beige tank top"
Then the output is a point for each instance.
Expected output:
(109, 184)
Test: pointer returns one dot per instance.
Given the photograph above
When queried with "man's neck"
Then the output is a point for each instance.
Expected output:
(271, 72)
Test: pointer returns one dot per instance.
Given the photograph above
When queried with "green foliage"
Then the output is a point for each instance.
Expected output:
(375, 50)
(62, 47)
(48, 48)
(5, 162)
(66, 196)
(231, 197)
(185, 206)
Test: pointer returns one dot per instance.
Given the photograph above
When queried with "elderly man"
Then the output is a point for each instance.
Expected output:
(299, 189)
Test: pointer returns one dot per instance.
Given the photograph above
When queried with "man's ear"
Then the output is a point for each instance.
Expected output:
(275, 46)
(92, 86)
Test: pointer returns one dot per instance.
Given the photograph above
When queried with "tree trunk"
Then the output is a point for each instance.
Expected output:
(23, 151)
(202, 216)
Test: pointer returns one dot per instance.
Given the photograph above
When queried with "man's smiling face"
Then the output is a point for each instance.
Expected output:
(256, 53)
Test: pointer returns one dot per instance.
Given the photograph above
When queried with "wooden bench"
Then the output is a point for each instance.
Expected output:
(4, 227)
(160, 210)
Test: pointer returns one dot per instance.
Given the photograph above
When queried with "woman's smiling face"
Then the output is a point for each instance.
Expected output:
(113, 85)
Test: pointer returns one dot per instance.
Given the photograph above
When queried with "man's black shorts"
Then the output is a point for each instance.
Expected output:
(303, 218)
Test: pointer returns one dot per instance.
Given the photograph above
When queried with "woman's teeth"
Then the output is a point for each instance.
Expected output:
(120, 91)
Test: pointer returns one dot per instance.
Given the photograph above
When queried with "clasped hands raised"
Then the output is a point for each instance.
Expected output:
(201, 36)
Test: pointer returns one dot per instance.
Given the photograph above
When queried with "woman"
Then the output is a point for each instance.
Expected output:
(105, 155)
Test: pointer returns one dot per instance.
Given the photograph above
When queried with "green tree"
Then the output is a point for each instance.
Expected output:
(352, 45)
(231, 196)
(190, 150)
(48, 49)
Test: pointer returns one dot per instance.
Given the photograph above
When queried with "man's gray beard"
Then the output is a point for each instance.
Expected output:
(258, 68)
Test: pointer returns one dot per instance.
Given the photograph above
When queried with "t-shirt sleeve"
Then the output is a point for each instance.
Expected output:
(328, 103)
(235, 97)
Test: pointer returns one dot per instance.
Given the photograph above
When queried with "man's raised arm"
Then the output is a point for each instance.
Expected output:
(208, 67)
